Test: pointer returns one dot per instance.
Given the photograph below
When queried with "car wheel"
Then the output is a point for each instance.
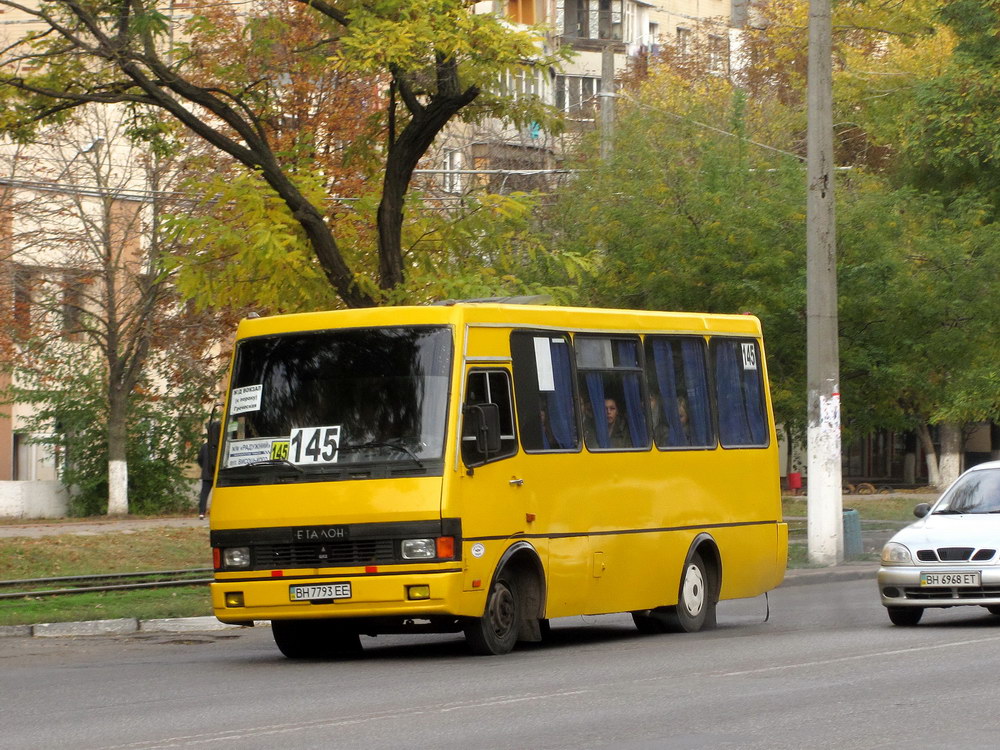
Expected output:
(905, 615)
(495, 633)
(315, 639)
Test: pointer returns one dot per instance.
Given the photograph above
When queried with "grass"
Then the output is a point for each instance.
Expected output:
(74, 555)
(182, 548)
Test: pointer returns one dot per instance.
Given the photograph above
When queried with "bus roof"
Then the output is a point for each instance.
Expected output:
(498, 314)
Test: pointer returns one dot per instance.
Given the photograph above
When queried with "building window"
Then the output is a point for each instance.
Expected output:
(577, 95)
(521, 11)
(683, 40)
(718, 53)
(576, 14)
(452, 179)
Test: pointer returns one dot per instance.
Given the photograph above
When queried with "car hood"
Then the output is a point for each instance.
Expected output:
(968, 530)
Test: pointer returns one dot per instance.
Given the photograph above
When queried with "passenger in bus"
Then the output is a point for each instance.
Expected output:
(618, 433)
(661, 431)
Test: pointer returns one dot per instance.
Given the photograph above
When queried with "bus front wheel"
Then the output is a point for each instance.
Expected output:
(315, 639)
(495, 633)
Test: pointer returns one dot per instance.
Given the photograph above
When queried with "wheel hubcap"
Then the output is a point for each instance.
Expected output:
(693, 590)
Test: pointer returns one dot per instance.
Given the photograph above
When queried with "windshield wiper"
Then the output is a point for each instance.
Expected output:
(266, 462)
(949, 512)
(384, 444)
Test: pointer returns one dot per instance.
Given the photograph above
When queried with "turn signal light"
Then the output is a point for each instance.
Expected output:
(445, 547)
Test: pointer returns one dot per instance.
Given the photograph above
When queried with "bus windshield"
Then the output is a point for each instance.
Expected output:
(315, 405)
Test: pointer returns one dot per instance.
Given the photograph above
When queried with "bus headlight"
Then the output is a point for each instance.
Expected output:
(895, 553)
(236, 557)
(418, 549)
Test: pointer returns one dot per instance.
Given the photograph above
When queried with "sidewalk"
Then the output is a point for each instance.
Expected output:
(42, 527)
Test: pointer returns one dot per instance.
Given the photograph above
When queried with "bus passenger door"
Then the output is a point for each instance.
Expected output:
(491, 504)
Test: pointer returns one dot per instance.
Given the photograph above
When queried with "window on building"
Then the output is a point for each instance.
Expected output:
(452, 179)
(26, 282)
(609, 19)
(521, 11)
(72, 300)
(577, 95)
(654, 35)
(683, 40)
(718, 53)
(576, 14)
(543, 387)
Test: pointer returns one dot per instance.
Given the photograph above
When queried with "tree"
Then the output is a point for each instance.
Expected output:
(94, 307)
(439, 58)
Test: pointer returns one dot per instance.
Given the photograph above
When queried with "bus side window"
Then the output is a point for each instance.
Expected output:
(677, 377)
(611, 393)
(488, 387)
(543, 385)
(739, 387)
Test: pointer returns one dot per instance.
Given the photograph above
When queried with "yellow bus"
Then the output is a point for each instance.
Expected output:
(484, 467)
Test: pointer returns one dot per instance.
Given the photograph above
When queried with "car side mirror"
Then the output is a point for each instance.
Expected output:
(922, 510)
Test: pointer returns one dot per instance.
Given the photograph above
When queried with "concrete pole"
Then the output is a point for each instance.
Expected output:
(607, 98)
(825, 503)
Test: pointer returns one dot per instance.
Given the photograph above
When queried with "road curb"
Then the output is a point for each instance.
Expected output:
(849, 572)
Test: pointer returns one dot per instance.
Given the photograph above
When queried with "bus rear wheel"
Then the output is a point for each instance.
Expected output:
(695, 605)
(495, 633)
(315, 639)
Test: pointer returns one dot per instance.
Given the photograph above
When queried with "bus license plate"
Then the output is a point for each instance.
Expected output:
(320, 591)
(971, 578)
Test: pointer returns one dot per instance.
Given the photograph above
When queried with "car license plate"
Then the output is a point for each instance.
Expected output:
(972, 578)
(320, 591)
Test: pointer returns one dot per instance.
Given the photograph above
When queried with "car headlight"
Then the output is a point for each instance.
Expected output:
(236, 557)
(895, 553)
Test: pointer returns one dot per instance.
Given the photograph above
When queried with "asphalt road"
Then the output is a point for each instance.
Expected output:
(826, 671)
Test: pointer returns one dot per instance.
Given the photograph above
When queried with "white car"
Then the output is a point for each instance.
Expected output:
(949, 557)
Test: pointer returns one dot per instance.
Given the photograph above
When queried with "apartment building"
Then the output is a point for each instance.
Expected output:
(504, 159)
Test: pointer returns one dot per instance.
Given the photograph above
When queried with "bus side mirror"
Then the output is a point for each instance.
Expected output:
(484, 424)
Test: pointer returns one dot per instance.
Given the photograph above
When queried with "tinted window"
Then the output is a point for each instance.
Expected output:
(611, 395)
(679, 394)
(739, 393)
(321, 399)
(543, 386)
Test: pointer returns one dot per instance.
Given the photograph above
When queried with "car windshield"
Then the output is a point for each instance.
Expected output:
(974, 492)
(320, 403)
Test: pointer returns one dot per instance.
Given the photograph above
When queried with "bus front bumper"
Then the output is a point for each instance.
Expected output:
(415, 594)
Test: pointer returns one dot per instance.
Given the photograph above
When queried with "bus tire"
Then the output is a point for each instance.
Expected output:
(651, 621)
(695, 600)
(315, 639)
(495, 633)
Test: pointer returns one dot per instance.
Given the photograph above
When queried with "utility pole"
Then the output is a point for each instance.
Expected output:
(825, 503)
